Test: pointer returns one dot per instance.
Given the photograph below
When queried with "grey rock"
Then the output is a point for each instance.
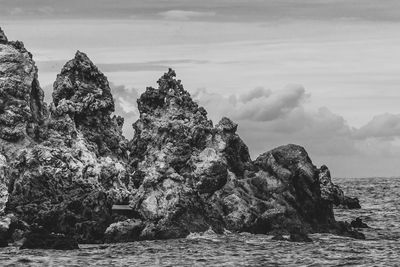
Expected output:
(3, 37)
(333, 193)
(124, 231)
(64, 167)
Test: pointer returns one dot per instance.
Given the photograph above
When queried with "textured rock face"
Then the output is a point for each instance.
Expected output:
(192, 176)
(3, 183)
(66, 170)
(123, 231)
(82, 92)
(3, 37)
(62, 169)
(42, 239)
(21, 98)
(332, 193)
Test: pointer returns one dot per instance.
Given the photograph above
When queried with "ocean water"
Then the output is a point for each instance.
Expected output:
(380, 200)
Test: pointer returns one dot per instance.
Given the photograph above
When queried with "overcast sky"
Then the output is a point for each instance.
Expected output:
(324, 74)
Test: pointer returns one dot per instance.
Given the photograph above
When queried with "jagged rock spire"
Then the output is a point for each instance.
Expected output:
(3, 37)
(21, 98)
(81, 83)
(170, 93)
(82, 92)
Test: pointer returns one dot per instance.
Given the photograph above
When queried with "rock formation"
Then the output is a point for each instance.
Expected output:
(82, 93)
(21, 98)
(332, 193)
(42, 239)
(192, 176)
(62, 168)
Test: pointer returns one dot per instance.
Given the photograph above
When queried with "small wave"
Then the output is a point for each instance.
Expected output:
(208, 234)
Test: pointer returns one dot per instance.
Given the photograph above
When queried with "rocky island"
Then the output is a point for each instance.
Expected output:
(65, 165)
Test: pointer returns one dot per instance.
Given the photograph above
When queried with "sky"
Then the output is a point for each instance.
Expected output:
(323, 74)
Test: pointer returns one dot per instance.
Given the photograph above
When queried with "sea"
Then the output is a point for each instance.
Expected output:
(380, 201)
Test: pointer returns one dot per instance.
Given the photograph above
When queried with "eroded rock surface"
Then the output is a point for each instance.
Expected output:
(332, 193)
(21, 98)
(83, 93)
(192, 175)
(63, 168)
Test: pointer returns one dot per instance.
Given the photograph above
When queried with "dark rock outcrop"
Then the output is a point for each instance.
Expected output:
(3, 37)
(11, 229)
(63, 168)
(5, 225)
(83, 93)
(39, 238)
(358, 223)
(332, 193)
(67, 168)
(21, 98)
(298, 235)
(192, 176)
(124, 231)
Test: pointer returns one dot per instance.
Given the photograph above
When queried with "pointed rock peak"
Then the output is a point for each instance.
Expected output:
(168, 83)
(169, 93)
(3, 37)
(82, 58)
(83, 84)
(226, 125)
(82, 63)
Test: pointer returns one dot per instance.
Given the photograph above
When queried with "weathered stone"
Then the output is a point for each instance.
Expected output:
(3, 183)
(194, 176)
(83, 93)
(21, 98)
(358, 223)
(3, 37)
(64, 170)
(41, 239)
(5, 225)
(332, 193)
(124, 231)
(58, 175)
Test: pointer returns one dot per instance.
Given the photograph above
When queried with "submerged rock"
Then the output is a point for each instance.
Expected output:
(279, 237)
(358, 223)
(332, 193)
(299, 236)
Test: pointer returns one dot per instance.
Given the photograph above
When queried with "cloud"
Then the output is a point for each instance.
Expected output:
(185, 14)
(386, 126)
(258, 104)
(255, 93)
(126, 107)
(327, 136)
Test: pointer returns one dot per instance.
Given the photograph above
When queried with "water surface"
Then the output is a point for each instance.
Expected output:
(379, 197)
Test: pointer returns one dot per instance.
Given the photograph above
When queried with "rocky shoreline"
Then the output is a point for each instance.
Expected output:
(63, 166)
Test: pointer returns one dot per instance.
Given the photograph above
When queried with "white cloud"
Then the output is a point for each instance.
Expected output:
(125, 106)
(327, 136)
(185, 14)
(385, 126)
(256, 105)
